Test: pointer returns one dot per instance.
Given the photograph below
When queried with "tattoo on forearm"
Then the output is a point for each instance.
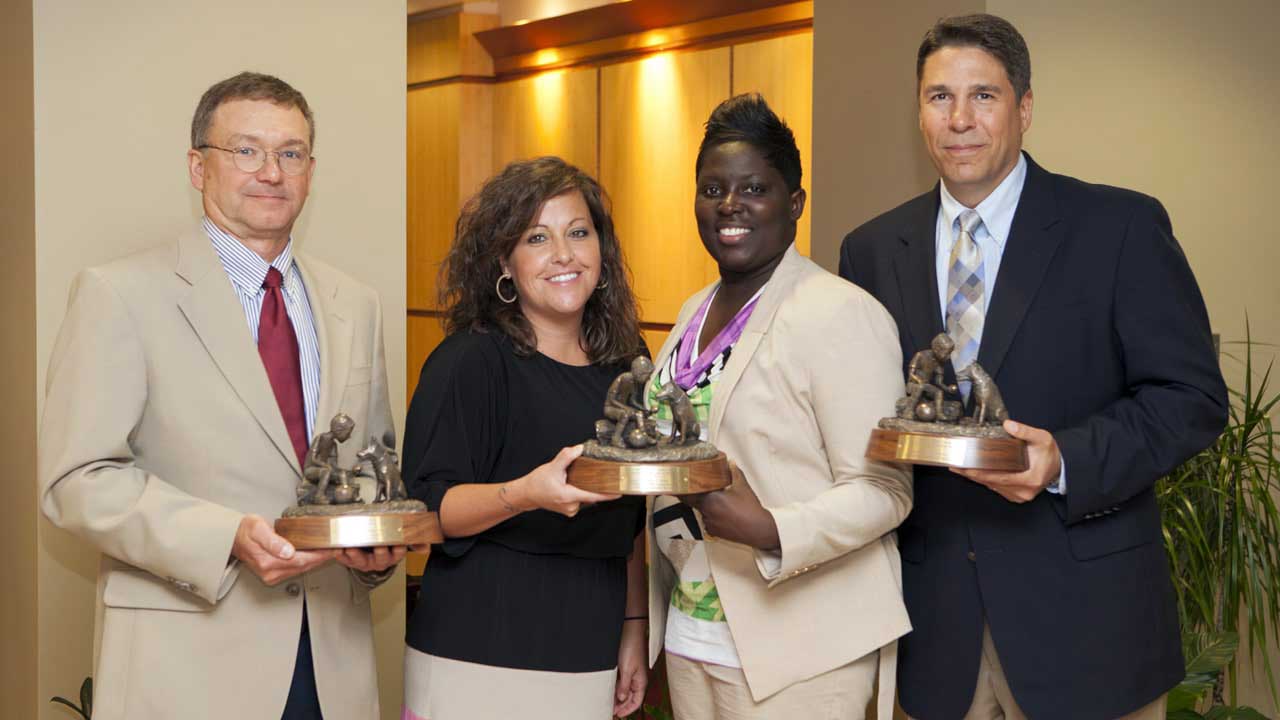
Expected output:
(506, 504)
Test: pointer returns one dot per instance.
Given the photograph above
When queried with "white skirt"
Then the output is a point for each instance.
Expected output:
(437, 688)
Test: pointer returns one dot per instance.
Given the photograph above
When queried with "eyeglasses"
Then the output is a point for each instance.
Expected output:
(251, 159)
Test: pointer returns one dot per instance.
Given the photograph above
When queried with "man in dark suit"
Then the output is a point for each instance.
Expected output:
(1042, 593)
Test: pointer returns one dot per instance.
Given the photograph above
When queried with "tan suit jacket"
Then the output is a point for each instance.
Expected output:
(160, 431)
(817, 366)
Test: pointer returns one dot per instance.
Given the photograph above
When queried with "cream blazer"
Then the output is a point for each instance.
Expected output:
(160, 431)
(817, 366)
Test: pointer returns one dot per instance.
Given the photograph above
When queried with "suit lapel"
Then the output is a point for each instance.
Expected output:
(333, 334)
(779, 286)
(1033, 240)
(217, 318)
(916, 268)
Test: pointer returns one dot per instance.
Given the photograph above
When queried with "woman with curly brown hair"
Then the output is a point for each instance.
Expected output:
(534, 604)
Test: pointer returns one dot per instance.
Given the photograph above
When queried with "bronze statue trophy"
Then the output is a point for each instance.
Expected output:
(629, 456)
(330, 514)
(932, 430)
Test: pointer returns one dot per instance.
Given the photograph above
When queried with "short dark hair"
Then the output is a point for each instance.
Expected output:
(994, 34)
(748, 118)
(248, 86)
(492, 223)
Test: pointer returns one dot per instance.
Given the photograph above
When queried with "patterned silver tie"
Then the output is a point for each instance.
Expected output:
(966, 306)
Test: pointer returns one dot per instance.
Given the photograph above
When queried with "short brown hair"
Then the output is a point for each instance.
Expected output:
(248, 86)
(491, 224)
(997, 36)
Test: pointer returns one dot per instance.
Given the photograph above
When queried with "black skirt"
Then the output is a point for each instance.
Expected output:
(498, 606)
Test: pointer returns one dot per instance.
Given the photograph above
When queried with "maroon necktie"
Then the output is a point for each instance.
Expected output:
(278, 347)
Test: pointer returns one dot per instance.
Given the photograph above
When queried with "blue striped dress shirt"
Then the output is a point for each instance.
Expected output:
(247, 271)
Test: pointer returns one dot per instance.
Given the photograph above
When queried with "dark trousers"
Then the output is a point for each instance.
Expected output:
(303, 703)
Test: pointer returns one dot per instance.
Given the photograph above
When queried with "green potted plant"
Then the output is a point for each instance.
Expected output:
(1222, 532)
(85, 708)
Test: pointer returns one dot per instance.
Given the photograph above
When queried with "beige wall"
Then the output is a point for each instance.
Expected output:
(867, 152)
(115, 86)
(1173, 98)
(1178, 100)
(18, 646)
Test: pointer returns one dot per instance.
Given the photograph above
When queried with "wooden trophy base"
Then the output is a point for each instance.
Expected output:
(683, 477)
(974, 453)
(316, 532)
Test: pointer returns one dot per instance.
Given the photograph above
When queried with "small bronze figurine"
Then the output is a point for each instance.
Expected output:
(926, 408)
(926, 392)
(988, 406)
(626, 423)
(330, 513)
(321, 467)
(381, 455)
(930, 428)
(629, 455)
(685, 429)
(629, 432)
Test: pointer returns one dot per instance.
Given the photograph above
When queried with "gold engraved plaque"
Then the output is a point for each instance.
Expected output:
(947, 450)
(686, 477)
(313, 532)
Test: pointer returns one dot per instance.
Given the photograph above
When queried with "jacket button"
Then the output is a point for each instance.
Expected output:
(973, 556)
(293, 589)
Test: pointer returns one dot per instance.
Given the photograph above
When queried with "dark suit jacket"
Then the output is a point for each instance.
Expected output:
(1096, 331)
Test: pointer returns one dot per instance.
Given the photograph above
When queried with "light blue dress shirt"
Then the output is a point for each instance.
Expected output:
(996, 211)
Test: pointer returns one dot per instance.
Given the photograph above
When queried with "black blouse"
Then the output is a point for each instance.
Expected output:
(482, 414)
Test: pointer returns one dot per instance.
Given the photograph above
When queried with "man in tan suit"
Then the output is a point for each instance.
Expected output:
(185, 385)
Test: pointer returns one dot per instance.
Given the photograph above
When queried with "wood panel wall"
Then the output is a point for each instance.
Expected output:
(552, 113)
(634, 123)
(450, 138)
(432, 186)
(781, 69)
(652, 112)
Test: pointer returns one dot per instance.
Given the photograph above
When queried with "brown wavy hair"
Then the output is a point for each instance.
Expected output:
(488, 229)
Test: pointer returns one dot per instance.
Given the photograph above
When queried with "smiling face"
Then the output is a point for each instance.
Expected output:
(259, 206)
(746, 216)
(972, 120)
(556, 262)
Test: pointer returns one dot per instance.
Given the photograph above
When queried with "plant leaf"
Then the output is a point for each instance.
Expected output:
(1218, 650)
(67, 702)
(1226, 712)
(1220, 521)
(1188, 692)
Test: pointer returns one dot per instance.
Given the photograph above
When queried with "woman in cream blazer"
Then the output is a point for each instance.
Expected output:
(797, 560)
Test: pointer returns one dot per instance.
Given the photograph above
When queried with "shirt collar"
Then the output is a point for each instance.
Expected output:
(246, 268)
(997, 209)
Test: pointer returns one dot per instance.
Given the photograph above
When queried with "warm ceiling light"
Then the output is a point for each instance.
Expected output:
(546, 56)
(654, 38)
(524, 21)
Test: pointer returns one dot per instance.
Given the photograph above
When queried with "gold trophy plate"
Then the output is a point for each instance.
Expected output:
(975, 453)
(683, 477)
(315, 532)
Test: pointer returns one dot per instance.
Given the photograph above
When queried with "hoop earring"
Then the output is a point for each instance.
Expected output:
(497, 288)
(604, 282)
